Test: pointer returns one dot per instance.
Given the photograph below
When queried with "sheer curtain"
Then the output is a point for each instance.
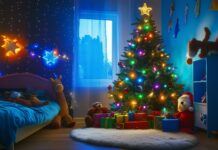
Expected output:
(102, 30)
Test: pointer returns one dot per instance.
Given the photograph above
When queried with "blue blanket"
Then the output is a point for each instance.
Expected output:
(14, 116)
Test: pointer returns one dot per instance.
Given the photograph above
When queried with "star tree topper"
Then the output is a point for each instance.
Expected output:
(145, 10)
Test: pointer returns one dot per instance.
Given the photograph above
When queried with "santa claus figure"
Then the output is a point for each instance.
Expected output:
(185, 112)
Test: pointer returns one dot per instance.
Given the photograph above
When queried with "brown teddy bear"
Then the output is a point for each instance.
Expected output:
(97, 107)
(204, 46)
(64, 111)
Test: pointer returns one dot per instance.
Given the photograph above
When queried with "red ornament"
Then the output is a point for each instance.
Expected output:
(126, 91)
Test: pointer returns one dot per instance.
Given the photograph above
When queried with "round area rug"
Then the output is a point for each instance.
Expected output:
(149, 139)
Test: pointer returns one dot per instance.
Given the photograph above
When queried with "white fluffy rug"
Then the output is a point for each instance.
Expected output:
(149, 139)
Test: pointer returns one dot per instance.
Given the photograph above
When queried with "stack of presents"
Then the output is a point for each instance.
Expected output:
(153, 120)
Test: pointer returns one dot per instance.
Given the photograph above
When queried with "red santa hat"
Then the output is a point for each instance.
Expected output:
(191, 99)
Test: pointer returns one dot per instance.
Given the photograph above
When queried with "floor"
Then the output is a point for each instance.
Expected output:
(59, 139)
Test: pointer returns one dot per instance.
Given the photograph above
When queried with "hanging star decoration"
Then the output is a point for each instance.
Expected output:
(145, 10)
(12, 46)
(50, 58)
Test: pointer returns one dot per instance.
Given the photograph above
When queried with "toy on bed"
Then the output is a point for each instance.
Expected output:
(185, 112)
(64, 111)
(97, 107)
(30, 100)
(204, 46)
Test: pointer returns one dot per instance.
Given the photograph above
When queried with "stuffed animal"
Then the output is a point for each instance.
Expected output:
(31, 101)
(204, 46)
(185, 112)
(64, 111)
(97, 107)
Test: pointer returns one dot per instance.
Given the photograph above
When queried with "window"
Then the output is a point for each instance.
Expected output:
(97, 48)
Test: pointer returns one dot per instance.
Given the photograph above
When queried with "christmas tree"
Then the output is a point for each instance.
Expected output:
(146, 80)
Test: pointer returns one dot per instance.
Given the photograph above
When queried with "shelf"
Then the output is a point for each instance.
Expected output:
(202, 81)
(199, 103)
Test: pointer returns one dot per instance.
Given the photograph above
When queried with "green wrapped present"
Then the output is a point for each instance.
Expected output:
(102, 122)
(110, 122)
(158, 122)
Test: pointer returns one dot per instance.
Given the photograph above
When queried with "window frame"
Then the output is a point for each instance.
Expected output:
(103, 15)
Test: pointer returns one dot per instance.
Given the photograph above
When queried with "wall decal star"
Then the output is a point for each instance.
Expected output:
(145, 10)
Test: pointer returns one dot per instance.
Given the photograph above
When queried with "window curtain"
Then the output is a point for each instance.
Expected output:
(102, 28)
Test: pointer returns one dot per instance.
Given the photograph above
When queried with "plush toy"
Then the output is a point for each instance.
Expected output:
(205, 46)
(64, 111)
(31, 101)
(185, 112)
(97, 107)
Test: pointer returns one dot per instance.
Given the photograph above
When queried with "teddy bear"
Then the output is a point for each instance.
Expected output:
(185, 112)
(61, 99)
(204, 47)
(97, 107)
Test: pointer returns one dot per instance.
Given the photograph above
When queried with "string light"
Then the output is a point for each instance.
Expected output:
(139, 80)
(120, 83)
(147, 27)
(163, 65)
(151, 94)
(156, 86)
(132, 62)
(143, 71)
(165, 86)
(138, 39)
(132, 75)
(140, 96)
(126, 79)
(139, 27)
(162, 97)
(130, 54)
(173, 95)
(120, 96)
(133, 103)
(161, 55)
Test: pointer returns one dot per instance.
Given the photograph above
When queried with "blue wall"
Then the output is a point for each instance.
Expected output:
(177, 47)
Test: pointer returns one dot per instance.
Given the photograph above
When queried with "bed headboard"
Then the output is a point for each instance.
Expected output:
(27, 80)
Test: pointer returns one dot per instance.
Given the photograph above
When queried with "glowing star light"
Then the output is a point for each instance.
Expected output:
(145, 10)
(50, 58)
(12, 46)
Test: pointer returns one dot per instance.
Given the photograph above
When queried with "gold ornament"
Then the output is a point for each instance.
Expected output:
(145, 10)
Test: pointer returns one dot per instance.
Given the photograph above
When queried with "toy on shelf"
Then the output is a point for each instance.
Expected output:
(185, 112)
(95, 113)
(61, 99)
(203, 98)
(204, 46)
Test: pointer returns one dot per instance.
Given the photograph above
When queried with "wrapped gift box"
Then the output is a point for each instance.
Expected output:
(120, 126)
(121, 118)
(131, 116)
(136, 125)
(158, 122)
(140, 117)
(150, 119)
(155, 113)
(170, 125)
(107, 122)
(97, 118)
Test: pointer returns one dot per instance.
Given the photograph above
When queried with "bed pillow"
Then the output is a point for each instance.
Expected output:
(40, 94)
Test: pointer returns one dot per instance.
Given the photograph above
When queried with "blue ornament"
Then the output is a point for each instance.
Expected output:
(49, 58)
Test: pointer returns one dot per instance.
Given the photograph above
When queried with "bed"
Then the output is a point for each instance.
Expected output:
(18, 121)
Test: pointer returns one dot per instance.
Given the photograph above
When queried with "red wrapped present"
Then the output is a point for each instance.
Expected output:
(155, 113)
(120, 126)
(140, 117)
(136, 125)
(150, 119)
